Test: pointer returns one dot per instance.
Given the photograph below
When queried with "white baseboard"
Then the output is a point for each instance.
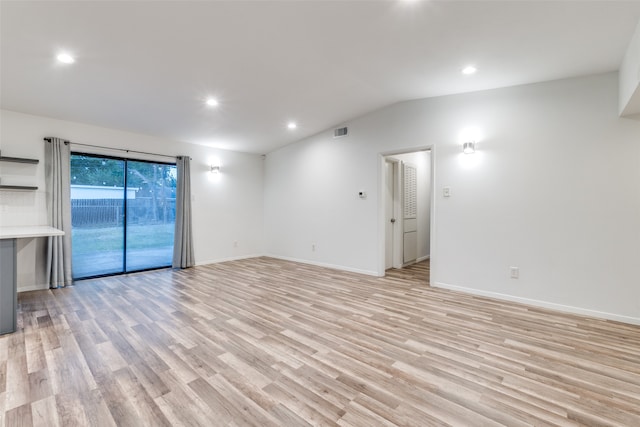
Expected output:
(234, 258)
(215, 261)
(326, 265)
(542, 304)
(42, 287)
(407, 264)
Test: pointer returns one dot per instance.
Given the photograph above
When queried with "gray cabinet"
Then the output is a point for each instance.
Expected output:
(8, 286)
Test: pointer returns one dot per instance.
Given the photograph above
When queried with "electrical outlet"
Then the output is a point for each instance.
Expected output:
(515, 272)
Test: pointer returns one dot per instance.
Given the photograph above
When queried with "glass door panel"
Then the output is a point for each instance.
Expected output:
(151, 201)
(97, 215)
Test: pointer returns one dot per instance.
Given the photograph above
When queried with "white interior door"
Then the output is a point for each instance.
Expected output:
(410, 212)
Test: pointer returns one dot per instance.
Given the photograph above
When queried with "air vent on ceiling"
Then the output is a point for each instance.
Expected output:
(340, 132)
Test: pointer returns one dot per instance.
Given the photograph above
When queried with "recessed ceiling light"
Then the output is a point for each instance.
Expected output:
(292, 125)
(469, 69)
(65, 58)
(212, 102)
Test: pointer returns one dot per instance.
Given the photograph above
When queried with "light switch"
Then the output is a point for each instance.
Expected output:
(446, 191)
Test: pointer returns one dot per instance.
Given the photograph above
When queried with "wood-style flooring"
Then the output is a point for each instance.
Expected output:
(266, 342)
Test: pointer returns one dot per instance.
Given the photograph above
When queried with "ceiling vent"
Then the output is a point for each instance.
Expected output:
(340, 132)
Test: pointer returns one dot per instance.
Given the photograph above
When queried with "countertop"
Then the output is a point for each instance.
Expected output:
(20, 232)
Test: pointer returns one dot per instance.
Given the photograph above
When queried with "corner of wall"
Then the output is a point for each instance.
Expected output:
(629, 78)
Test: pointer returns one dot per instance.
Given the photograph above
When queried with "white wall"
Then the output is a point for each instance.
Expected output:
(226, 208)
(311, 198)
(629, 88)
(422, 161)
(553, 189)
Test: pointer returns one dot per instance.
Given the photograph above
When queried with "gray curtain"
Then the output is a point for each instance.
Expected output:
(56, 166)
(183, 240)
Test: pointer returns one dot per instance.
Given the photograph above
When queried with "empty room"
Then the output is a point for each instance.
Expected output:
(319, 213)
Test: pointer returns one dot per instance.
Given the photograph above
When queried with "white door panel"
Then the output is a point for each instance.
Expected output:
(410, 212)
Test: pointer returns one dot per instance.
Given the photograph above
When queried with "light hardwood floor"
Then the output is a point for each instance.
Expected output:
(272, 343)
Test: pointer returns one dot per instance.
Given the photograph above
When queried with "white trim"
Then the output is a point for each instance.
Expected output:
(233, 258)
(543, 304)
(380, 222)
(43, 287)
(327, 265)
(410, 263)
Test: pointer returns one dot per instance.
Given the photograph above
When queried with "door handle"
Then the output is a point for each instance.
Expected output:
(393, 220)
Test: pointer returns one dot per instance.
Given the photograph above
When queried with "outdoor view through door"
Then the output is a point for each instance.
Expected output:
(122, 215)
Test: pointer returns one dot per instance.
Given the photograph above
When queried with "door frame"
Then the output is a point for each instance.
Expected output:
(382, 158)
(396, 244)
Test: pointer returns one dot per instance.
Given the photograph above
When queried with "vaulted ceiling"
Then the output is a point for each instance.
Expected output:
(149, 66)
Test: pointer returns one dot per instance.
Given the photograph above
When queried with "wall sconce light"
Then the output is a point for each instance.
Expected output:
(469, 147)
(215, 169)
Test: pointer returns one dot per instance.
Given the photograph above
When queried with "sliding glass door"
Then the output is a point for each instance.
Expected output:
(122, 214)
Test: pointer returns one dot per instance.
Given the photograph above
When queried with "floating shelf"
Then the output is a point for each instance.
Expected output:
(19, 160)
(18, 187)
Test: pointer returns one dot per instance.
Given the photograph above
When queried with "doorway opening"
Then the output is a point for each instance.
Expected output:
(407, 208)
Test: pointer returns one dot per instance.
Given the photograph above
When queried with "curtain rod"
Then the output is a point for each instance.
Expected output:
(117, 149)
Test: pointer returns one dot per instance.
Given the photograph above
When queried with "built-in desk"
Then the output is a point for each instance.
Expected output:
(8, 275)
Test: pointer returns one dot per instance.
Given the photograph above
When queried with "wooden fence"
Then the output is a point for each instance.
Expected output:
(110, 212)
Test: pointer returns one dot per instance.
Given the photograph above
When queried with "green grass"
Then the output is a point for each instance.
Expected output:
(103, 239)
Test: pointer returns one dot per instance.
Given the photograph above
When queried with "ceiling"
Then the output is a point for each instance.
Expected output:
(148, 66)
